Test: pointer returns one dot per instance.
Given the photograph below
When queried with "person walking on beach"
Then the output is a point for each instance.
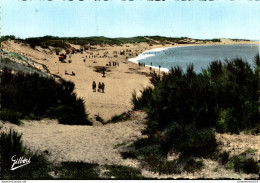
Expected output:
(99, 87)
(94, 86)
(103, 87)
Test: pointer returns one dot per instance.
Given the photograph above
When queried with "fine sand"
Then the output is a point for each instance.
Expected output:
(103, 144)
(120, 81)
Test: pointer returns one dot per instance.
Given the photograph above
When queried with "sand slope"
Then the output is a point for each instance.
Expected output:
(102, 145)
(79, 143)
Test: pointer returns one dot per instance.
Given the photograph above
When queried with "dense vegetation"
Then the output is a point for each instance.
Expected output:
(184, 108)
(105, 40)
(33, 97)
(62, 42)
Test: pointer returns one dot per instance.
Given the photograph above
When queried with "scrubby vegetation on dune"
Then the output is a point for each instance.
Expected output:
(184, 109)
(62, 42)
(29, 96)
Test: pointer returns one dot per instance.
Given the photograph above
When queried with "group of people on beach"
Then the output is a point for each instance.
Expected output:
(114, 63)
(141, 64)
(101, 87)
(72, 73)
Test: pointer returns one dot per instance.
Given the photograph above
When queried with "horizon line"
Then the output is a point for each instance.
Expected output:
(17, 37)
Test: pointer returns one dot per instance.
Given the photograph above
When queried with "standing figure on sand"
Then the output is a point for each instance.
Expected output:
(94, 86)
(103, 87)
(99, 87)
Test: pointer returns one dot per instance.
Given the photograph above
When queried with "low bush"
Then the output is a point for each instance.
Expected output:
(191, 141)
(68, 115)
(35, 97)
(15, 55)
(98, 118)
(153, 163)
(193, 165)
(243, 162)
(128, 154)
(122, 117)
(11, 116)
(78, 171)
(224, 157)
(122, 172)
(143, 142)
(251, 166)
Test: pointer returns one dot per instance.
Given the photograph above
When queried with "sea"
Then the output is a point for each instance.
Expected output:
(199, 56)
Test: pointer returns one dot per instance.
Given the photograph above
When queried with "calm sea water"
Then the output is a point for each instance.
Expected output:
(200, 56)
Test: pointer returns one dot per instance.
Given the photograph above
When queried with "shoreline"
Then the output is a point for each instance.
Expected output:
(143, 55)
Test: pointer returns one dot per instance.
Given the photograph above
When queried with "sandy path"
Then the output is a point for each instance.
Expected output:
(79, 143)
(97, 144)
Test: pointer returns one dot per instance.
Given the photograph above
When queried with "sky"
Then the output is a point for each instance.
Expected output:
(117, 18)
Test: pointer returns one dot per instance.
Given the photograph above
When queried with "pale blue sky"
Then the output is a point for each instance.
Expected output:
(115, 18)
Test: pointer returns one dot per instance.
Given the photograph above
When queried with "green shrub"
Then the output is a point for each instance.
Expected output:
(244, 163)
(224, 96)
(78, 171)
(35, 97)
(224, 157)
(215, 169)
(143, 142)
(68, 115)
(251, 166)
(11, 116)
(151, 150)
(225, 117)
(139, 103)
(15, 55)
(98, 118)
(122, 172)
(191, 141)
(122, 117)
(129, 154)
(193, 166)
(161, 166)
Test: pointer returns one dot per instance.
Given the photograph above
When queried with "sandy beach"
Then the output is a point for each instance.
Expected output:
(120, 81)
(99, 143)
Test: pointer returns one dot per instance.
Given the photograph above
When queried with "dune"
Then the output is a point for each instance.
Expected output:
(120, 81)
